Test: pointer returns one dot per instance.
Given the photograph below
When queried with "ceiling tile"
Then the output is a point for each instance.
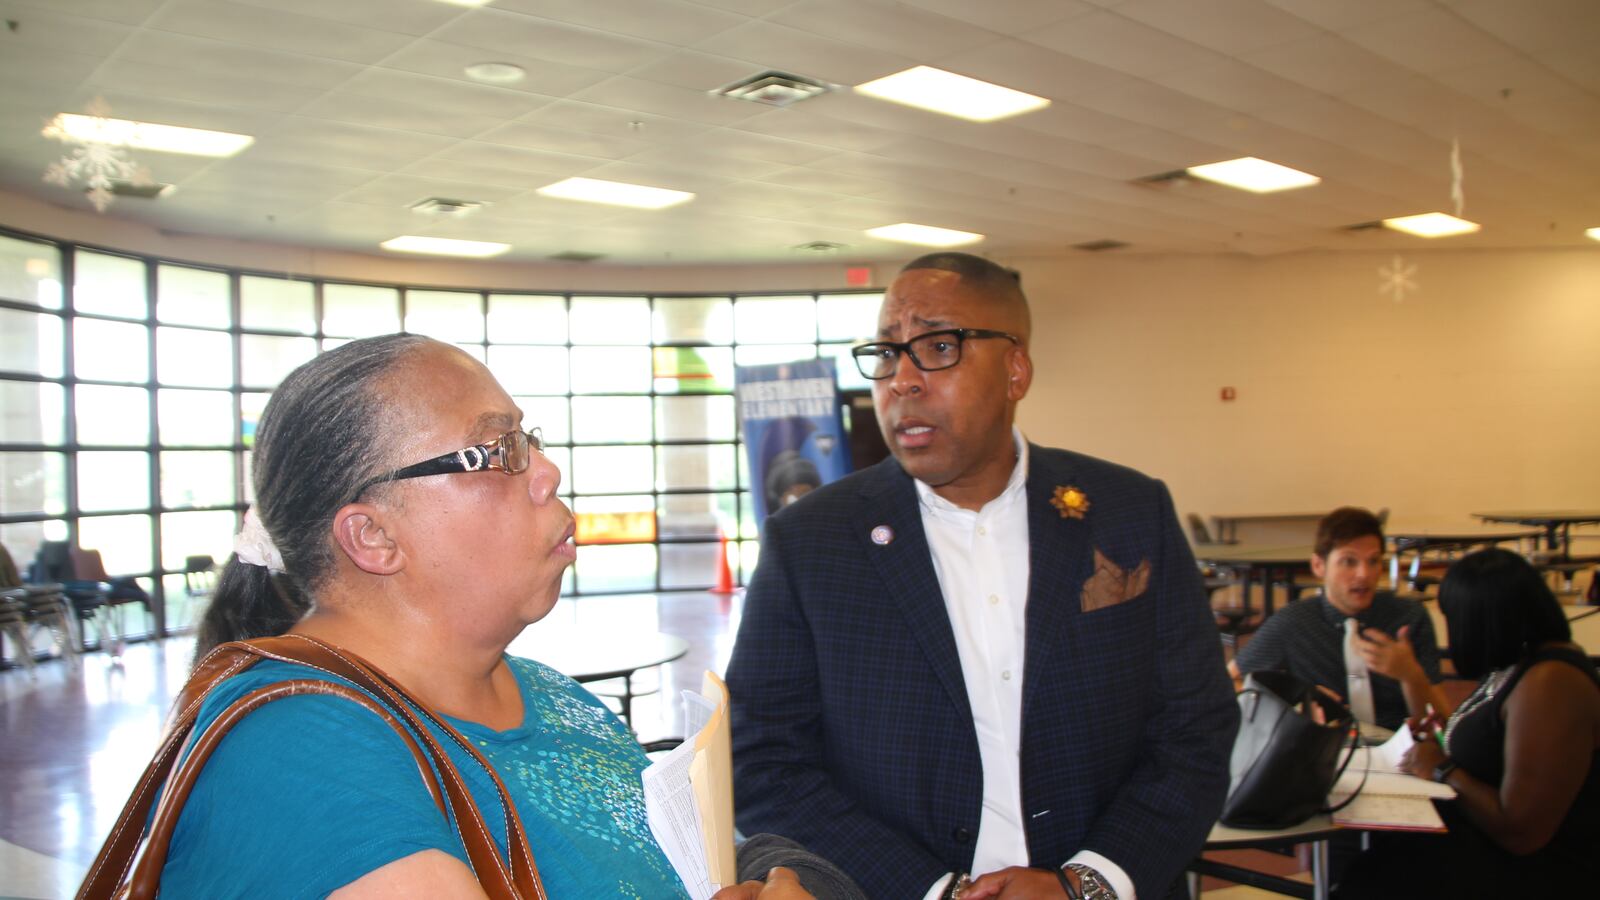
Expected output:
(1347, 13)
(607, 121)
(414, 17)
(1534, 27)
(1119, 43)
(769, 46)
(252, 26)
(1025, 66)
(556, 140)
(508, 32)
(1430, 40)
(515, 162)
(666, 21)
(1239, 86)
(899, 29)
(127, 12)
(447, 60)
(629, 93)
(1013, 17)
(178, 83)
(1226, 26)
(1326, 62)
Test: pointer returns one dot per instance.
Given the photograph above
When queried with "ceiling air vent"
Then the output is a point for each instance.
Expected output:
(445, 208)
(576, 256)
(148, 190)
(774, 88)
(1102, 244)
(818, 247)
(1164, 178)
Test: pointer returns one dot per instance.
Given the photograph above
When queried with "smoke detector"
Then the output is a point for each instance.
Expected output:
(774, 88)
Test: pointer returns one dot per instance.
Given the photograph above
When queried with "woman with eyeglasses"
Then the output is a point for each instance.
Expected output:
(1522, 752)
(405, 516)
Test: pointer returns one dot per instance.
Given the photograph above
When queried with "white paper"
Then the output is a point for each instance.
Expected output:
(1394, 749)
(675, 820)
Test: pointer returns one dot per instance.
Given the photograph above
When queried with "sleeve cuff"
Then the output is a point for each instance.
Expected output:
(1119, 880)
(938, 887)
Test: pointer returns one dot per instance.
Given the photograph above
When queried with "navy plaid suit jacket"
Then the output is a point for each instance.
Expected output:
(852, 733)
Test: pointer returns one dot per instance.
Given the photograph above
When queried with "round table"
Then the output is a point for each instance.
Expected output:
(588, 654)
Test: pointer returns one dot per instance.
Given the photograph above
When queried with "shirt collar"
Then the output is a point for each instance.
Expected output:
(1016, 485)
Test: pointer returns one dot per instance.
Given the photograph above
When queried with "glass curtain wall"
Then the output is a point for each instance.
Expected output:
(130, 388)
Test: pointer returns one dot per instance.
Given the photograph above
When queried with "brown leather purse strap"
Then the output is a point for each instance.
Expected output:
(522, 881)
(117, 855)
(147, 871)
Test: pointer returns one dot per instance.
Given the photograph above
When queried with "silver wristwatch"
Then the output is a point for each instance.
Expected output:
(1092, 883)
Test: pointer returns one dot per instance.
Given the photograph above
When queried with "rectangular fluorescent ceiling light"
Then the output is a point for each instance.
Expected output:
(926, 235)
(411, 243)
(146, 135)
(1593, 233)
(615, 193)
(1257, 175)
(954, 95)
(1432, 225)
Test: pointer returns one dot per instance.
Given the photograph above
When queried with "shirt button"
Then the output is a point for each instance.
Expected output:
(982, 531)
(994, 600)
(1006, 675)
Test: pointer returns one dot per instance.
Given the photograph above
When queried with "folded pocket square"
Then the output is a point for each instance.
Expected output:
(1111, 584)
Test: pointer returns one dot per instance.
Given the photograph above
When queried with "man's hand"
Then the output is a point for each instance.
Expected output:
(1018, 883)
(781, 884)
(1391, 656)
(1423, 756)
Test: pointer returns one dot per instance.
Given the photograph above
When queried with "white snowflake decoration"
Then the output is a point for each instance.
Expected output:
(96, 164)
(1398, 278)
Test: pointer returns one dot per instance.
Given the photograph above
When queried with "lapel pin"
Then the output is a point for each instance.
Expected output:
(1071, 501)
(882, 535)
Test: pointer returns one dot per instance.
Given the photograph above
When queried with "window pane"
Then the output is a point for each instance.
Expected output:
(693, 370)
(846, 375)
(277, 304)
(446, 315)
(695, 418)
(193, 533)
(31, 342)
(359, 310)
(615, 520)
(522, 319)
(109, 285)
(848, 317)
(110, 351)
(611, 370)
(110, 479)
(707, 466)
(196, 478)
(691, 565)
(549, 414)
(23, 538)
(123, 542)
(772, 320)
(201, 358)
(32, 413)
(604, 420)
(30, 272)
(251, 406)
(697, 516)
(33, 483)
(765, 354)
(113, 415)
(265, 361)
(601, 470)
(195, 418)
(625, 567)
(610, 320)
(529, 370)
(186, 296)
(694, 320)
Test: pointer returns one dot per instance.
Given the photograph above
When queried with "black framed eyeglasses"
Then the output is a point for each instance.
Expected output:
(930, 352)
(508, 453)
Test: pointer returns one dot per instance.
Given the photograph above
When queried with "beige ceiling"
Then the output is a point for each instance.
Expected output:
(361, 108)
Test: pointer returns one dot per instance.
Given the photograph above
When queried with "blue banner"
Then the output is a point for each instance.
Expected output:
(793, 431)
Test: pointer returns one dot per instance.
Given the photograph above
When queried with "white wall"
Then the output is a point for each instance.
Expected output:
(1478, 390)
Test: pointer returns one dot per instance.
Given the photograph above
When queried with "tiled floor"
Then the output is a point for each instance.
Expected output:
(74, 738)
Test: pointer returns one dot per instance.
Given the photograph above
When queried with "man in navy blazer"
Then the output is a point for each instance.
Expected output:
(981, 655)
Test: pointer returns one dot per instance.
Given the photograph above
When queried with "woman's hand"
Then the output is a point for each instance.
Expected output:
(1423, 757)
(781, 884)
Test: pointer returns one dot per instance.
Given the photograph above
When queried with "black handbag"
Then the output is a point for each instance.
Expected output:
(1284, 762)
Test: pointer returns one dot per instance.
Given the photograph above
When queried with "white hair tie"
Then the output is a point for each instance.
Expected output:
(253, 545)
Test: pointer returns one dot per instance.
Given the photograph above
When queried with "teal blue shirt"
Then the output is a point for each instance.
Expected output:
(309, 793)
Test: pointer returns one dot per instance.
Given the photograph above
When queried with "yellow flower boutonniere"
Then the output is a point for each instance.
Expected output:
(1072, 502)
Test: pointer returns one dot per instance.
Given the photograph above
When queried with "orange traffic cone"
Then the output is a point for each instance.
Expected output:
(724, 572)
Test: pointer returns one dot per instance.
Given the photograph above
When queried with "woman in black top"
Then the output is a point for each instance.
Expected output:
(1520, 752)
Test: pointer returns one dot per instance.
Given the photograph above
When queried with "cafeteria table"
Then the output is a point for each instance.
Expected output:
(1267, 565)
(1226, 527)
(1557, 524)
(1422, 541)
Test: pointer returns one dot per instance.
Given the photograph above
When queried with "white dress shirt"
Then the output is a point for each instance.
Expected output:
(981, 559)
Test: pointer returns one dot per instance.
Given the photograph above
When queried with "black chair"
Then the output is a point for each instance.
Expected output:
(24, 606)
